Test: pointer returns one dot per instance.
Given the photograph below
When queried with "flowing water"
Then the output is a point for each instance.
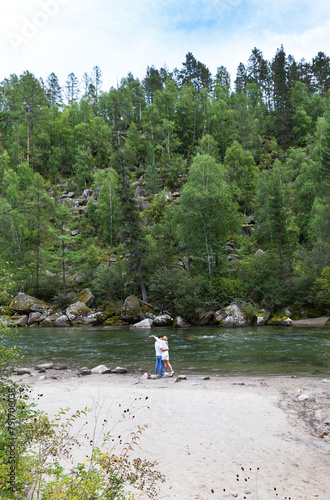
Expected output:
(254, 351)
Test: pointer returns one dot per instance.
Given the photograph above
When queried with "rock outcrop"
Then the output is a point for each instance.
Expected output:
(130, 311)
(24, 304)
(231, 316)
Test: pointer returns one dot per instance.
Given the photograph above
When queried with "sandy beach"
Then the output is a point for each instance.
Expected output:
(203, 433)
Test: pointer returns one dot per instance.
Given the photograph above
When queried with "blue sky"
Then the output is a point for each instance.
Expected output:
(64, 36)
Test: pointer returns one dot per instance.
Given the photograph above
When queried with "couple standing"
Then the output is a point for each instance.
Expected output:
(162, 356)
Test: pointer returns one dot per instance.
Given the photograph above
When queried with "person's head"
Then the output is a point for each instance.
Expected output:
(161, 337)
(164, 338)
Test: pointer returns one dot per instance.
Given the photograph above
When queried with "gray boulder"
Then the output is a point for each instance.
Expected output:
(145, 324)
(62, 321)
(50, 320)
(262, 317)
(163, 320)
(35, 317)
(233, 315)
(24, 304)
(77, 313)
(280, 321)
(85, 296)
(181, 323)
(130, 311)
(19, 320)
(205, 317)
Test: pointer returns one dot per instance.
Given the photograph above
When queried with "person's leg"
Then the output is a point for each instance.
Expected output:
(165, 362)
(159, 365)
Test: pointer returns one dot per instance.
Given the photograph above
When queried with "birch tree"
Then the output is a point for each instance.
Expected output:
(207, 212)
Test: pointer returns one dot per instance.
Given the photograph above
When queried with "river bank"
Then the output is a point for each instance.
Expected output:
(203, 432)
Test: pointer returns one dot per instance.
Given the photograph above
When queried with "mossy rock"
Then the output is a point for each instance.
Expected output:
(131, 309)
(274, 320)
(84, 296)
(147, 309)
(278, 315)
(77, 311)
(23, 304)
(113, 320)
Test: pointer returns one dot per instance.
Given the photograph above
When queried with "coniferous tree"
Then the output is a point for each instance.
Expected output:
(54, 91)
(72, 90)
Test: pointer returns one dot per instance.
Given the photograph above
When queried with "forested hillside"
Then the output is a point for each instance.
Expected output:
(184, 188)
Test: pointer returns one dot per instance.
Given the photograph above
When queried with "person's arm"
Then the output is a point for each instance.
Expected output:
(162, 348)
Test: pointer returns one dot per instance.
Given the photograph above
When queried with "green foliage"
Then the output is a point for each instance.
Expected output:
(106, 214)
(206, 213)
(7, 284)
(113, 282)
(241, 174)
(83, 167)
(136, 141)
(262, 283)
(9, 352)
(322, 287)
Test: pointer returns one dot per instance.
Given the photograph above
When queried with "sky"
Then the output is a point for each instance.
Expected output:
(122, 36)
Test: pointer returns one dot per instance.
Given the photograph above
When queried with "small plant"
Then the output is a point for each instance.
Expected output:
(37, 453)
(252, 486)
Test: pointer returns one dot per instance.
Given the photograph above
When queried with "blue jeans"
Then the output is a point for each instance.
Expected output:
(159, 366)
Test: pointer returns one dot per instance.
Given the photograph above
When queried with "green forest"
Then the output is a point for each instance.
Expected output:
(186, 189)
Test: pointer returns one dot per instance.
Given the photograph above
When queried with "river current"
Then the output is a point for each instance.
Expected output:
(255, 351)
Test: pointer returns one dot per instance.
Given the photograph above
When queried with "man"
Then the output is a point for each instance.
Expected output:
(160, 346)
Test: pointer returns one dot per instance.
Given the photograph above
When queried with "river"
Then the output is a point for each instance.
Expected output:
(255, 351)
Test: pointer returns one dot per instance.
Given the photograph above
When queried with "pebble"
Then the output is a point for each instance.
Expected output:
(45, 366)
(119, 369)
(248, 492)
(85, 371)
(234, 494)
(101, 369)
(23, 371)
(303, 397)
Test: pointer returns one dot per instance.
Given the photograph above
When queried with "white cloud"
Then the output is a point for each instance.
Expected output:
(131, 34)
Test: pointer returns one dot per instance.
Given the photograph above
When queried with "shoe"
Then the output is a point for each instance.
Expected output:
(171, 374)
(166, 374)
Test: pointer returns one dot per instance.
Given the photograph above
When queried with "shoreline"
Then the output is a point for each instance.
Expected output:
(202, 432)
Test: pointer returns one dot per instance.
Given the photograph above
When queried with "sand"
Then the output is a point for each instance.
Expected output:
(203, 432)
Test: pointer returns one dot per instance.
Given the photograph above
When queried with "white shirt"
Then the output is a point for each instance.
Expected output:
(158, 345)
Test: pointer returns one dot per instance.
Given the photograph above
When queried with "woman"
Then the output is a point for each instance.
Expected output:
(166, 359)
